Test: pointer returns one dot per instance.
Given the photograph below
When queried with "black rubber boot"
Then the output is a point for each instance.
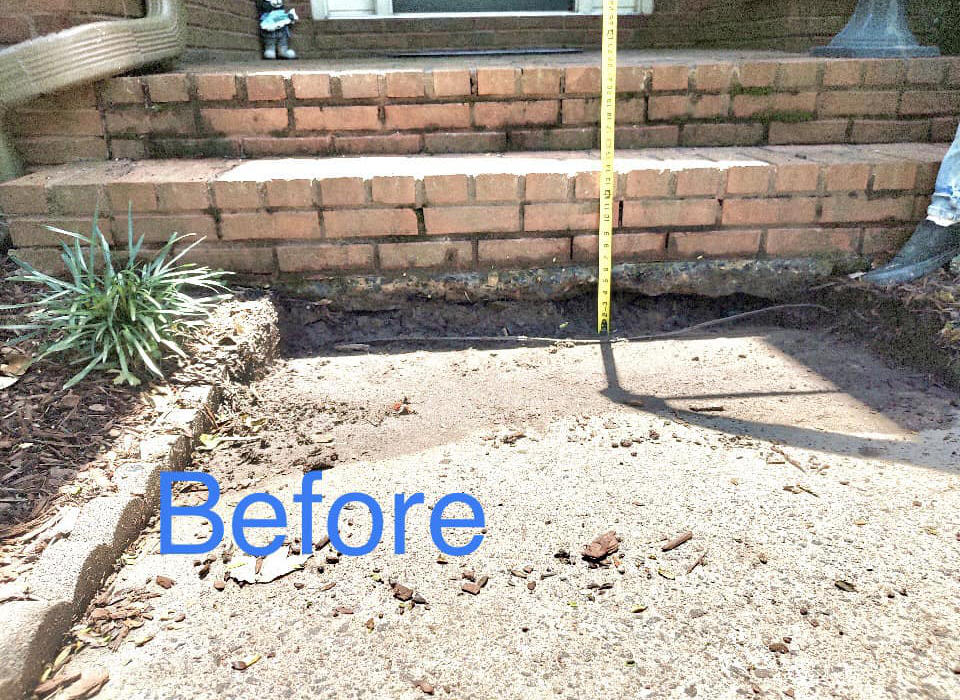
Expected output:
(930, 248)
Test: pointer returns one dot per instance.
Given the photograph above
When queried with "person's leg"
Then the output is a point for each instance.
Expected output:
(937, 238)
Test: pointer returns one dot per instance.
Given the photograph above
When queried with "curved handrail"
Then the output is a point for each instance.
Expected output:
(91, 52)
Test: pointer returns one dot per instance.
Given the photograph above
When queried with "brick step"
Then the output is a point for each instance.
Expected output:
(391, 214)
(519, 104)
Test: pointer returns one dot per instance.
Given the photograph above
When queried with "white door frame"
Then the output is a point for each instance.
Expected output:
(328, 9)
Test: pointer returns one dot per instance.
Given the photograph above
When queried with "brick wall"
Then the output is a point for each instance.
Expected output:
(228, 28)
(794, 101)
(475, 213)
(21, 20)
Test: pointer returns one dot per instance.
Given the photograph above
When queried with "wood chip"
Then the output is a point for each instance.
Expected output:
(677, 541)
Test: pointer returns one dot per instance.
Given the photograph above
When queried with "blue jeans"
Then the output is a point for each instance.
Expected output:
(946, 197)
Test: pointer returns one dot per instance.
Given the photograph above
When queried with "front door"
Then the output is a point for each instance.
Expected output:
(447, 6)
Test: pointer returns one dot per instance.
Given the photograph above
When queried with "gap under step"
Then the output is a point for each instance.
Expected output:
(394, 214)
(523, 103)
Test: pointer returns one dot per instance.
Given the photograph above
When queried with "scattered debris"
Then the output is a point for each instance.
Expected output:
(60, 680)
(845, 586)
(244, 664)
(778, 648)
(426, 687)
(165, 582)
(402, 593)
(677, 541)
(603, 546)
(697, 562)
(708, 409)
(266, 569)
(352, 347)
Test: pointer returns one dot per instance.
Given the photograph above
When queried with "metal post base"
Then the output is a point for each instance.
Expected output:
(877, 29)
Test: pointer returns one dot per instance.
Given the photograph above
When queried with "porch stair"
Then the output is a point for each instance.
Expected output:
(391, 214)
(361, 167)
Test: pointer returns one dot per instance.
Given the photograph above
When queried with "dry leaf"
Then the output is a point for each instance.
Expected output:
(271, 568)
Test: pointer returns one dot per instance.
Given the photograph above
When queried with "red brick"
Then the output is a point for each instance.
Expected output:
(715, 77)
(478, 219)
(183, 196)
(800, 177)
(524, 251)
(233, 257)
(318, 257)
(698, 181)
(266, 87)
(379, 144)
(943, 130)
(670, 77)
(446, 189)
(895, 175)
(674, 212)
(587, 186)
(840, 73)
(721, 134)
(359, 118)
(648, 183)
(359, 85)
(581, 111)
(714, 244)
(846, 177)
(449, 255)
(277, 226)
(795, 75)
(296, 194)
(711, 106)
(55, 150)
(492, 187)
(30, 232)
(353, 223)
(813, 132)
(542, 187)
(232, 194)
(579, 80)
(46, 260)
(889, 131)
(451, 83)
(540, 81)
(26, 195)
(660, 136)
(750, 212)
(781, 242)
(477, 142)
(567, 139)
(141, 121)
(561, 216)
(126, 90)
(405, 84)
(497, 81)
(213, 87)
(668, 107)
(428, 116)
(168, 87)
(884, 71)
(158, 229)
(626, 246)
(795, 102)
(395, 190)
(132, 191)
(264, 120)
(343, 191)
(746, 106)
(495, 115)
(858, 103)
(132, 149)
(632, 79)
(925, 71)
(260, 146)
(841, 209)
(757, 75)
(748, 179)
(311, 86)
(930, 102)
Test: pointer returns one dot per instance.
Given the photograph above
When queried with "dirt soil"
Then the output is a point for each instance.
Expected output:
(819, 483)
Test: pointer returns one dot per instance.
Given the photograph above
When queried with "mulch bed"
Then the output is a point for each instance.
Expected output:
(59, 448)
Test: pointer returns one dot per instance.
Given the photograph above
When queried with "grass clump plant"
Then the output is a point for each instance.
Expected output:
(122, 318)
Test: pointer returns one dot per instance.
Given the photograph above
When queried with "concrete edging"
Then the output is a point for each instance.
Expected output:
(70, 571)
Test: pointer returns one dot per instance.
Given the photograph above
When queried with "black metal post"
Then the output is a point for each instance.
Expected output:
(878, 29)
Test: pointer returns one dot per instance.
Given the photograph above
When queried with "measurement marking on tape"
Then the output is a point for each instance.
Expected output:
(608, 175)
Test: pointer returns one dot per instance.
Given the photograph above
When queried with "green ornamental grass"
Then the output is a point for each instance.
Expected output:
(118, 318)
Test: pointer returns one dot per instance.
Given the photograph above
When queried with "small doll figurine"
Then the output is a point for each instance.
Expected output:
(275, 24)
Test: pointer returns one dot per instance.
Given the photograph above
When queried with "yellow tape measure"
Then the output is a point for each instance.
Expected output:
(608, 175)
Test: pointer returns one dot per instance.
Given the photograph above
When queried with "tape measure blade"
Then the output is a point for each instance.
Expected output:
(608, 178)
